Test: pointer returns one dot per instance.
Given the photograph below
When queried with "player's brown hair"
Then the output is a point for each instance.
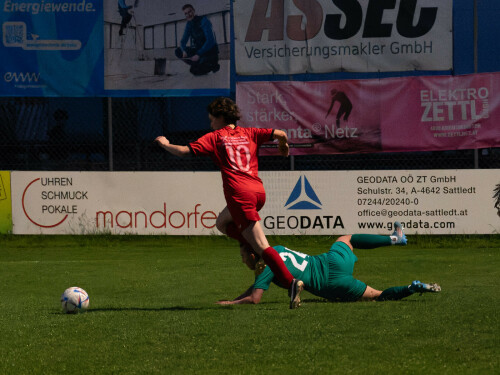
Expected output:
(226, 108)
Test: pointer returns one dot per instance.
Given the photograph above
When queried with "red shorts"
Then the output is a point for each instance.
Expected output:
(244, 207)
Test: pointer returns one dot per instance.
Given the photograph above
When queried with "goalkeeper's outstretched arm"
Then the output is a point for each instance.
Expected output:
(251, 296)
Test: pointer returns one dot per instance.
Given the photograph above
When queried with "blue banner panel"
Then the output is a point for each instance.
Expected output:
(51, 48)
(121, 48)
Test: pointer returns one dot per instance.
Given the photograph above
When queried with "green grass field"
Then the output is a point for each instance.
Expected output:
(152, 310)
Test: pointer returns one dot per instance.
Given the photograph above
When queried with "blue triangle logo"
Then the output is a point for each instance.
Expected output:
(303, 196)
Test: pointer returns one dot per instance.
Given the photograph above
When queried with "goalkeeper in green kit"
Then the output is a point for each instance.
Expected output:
(329, 275)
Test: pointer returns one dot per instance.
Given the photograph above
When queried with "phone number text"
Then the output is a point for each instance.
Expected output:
(387, 201)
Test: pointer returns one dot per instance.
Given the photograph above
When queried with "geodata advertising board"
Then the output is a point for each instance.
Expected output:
(298, 202)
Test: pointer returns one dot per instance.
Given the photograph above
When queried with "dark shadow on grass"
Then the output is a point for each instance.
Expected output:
(239, 306)
(310, 300)
(269, 304)
(173, 308)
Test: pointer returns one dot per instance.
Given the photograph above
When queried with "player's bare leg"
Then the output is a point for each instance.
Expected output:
(223, 219)
(255, 237)
(346, 240)
(226, 225)
(370, 294)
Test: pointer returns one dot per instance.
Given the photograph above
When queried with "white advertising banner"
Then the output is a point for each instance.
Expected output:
(347, 202)
(298, 202)
(321, 36)
(183, 203)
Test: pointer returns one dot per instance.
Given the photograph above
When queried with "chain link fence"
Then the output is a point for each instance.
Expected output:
(104, 134)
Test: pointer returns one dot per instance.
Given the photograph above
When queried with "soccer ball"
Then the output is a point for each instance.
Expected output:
(74, 300)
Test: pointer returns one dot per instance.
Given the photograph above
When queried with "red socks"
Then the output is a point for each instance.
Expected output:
(274, 261)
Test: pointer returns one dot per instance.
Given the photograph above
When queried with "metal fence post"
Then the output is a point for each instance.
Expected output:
(476, 151)
(110, 134)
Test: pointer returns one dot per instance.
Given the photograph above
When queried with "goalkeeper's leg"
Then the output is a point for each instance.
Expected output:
(396, 293)
(372, 241)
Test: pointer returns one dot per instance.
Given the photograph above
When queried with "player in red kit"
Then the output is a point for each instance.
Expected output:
(234, 149)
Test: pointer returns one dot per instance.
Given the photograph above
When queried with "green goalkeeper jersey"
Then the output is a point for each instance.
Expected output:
(312, 270)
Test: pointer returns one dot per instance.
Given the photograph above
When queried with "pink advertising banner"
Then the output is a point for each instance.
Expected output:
(377, 115)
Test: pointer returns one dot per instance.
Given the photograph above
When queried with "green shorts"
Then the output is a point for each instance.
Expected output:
(341, 285)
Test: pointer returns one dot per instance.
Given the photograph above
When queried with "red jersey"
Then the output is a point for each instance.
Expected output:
(235, 153)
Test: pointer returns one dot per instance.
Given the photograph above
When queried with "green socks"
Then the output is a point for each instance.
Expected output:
(369, 241)
(395, 293)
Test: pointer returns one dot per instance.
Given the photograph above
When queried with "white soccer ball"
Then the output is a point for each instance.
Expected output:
(74, 300)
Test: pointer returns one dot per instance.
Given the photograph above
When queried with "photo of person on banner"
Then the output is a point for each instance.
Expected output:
(126, 16)
(345, 105)
(203, 53)
(167, 45)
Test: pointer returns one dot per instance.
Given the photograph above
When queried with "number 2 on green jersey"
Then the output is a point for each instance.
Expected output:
(300, 264)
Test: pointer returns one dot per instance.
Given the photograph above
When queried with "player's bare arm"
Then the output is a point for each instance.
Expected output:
(251, 296)
(176, 150)
(282, 138)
